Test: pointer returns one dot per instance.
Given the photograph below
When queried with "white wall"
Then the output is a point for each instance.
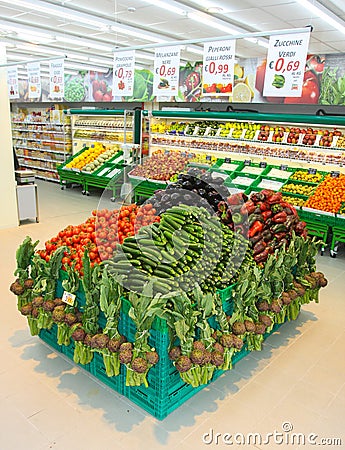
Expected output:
(8, 198)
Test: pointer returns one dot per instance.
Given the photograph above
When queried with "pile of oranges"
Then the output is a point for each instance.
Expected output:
(329, 195)
(86, 157)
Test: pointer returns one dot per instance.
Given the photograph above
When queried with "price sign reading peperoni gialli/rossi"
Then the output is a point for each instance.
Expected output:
(34, 79)
(286, 59)
(218, 68)
(57, 83)
(12, 82)
(166, 71)
(123, 73)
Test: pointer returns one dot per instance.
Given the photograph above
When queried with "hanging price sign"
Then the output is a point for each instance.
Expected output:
(286, 59)
(57, 83)
(166, 71)
(34, 79)
(218, 68)
(12, 82)
(123, 73)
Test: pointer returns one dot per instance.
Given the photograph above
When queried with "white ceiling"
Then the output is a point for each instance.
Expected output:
(87, 29)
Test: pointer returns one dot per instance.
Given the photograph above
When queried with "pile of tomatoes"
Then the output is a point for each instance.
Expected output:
(99, 234)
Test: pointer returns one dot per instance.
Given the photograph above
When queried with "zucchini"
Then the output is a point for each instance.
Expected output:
(147, 261)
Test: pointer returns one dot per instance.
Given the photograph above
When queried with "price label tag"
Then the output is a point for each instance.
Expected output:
(286, 59)
(123, 73)
(263, 164)
(312, 171)
(227, 160)
(247, 162)
(196, 131)
(317, 140)
(218, 68)
(283, 167)
(208, 129)
(208, 157)
(335, 174)
(68, 298)
(166, 71)
(270, 136)
(300, 139)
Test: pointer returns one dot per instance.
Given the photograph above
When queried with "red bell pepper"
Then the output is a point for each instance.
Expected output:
(255, 228)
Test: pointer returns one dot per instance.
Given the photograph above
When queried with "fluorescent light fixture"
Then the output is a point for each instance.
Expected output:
(323, 13)
(100, 61)
(63, 13)
(27, 34)
(206, 20)
(77, 66)
(166, 6)
(84, 43)
(197, 51)
(139, 34)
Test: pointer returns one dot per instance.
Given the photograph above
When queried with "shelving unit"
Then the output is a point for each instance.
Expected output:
(260, 137)
(40, 144)
(118, 130)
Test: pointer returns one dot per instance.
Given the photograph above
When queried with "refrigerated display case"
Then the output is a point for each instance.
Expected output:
(296, 140)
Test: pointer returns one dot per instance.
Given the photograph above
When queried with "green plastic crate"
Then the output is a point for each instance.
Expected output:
(50, 337)
(318, 217)
(301, 197)
(299, 183)
(217, 167)
(339, 221)
(97, 369)
(306, 170)
(268, 169)
(229, 182)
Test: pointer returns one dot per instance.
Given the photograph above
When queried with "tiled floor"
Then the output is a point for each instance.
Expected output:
(46, 403)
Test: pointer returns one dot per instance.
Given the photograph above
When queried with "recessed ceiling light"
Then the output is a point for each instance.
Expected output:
(214, 9)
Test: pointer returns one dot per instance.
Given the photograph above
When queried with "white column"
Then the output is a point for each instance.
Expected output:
(8, 198)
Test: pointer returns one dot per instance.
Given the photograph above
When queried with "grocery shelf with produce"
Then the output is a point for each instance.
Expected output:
(106, 144)
(41, 140)
(303, 140)
(105, 126)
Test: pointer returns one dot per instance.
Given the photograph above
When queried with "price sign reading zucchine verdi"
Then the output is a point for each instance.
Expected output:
(218, 68)
(166, 71)
(124, 73)
(286, 59)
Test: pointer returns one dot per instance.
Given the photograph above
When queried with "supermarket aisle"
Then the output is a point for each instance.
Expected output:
(47, 403)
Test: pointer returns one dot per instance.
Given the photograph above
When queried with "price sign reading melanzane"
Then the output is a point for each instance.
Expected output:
(123, 78)
(218, 68)
(286, 59)
(166, 71)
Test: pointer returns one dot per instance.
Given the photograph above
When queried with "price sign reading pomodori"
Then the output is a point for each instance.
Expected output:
(286, 59)
(218, 68)
(123, 79)
(166, 71)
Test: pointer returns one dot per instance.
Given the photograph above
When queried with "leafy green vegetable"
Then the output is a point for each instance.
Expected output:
(332, 90)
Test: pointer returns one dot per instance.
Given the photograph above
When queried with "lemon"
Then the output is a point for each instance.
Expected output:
(241, 93)
(250, 81)
(238, 71)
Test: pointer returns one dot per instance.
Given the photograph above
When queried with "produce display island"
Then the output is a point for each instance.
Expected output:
(159, 302)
